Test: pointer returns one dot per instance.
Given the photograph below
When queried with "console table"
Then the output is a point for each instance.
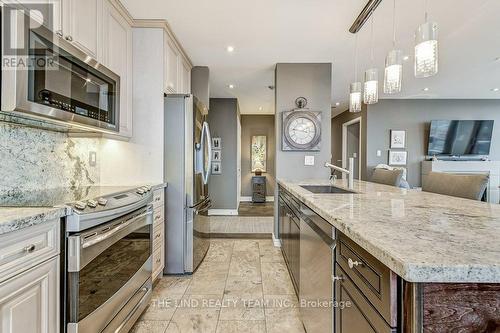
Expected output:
(259, 189)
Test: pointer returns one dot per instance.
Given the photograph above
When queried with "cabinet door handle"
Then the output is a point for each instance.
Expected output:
(30, 248)
(59, 33)
(337, 278)
(69, 38)
(352, 263)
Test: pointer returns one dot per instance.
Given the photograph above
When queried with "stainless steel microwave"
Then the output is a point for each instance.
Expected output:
(44, 75)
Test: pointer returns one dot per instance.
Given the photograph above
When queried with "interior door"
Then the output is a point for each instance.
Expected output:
(353, 139)
(238, 161)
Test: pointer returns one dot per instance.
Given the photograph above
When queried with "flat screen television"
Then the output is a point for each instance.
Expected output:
(460, 138)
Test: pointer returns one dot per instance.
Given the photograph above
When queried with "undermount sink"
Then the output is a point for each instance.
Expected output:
(326, 189)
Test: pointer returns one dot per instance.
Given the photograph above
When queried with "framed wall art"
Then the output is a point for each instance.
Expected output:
(398, 157)
(398, 139)
(216, 168)
(259, 153)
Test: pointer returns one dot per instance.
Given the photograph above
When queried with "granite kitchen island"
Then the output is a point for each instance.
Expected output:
(441, 253)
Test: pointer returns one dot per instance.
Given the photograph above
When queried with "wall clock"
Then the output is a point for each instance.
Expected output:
(301, 130)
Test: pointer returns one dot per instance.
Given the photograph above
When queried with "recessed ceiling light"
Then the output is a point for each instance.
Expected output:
(230, 48)
(425, 89)
(495, 89)
(231, 86)
(337, 104)
(405, 58)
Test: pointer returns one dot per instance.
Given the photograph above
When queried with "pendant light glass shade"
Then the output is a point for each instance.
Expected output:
(393, 72)
(426, 50)
(355, 97)
(371, 86)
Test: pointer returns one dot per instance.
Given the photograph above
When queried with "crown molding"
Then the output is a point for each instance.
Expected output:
(151, 23)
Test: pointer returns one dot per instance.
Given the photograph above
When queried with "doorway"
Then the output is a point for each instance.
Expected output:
(351, 145)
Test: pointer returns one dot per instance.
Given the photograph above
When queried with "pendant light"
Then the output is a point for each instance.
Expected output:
(393, 63)
(371, 79)
(355, 87)
(426, 48)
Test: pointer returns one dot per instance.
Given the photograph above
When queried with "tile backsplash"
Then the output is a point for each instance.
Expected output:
(34, 159)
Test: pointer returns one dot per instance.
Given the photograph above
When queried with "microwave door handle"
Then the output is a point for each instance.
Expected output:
(209, 144)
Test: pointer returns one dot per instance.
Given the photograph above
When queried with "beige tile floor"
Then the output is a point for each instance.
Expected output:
(241, 224)
(242, 286)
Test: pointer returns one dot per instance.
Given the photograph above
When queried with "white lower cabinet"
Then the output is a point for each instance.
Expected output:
(29, 302)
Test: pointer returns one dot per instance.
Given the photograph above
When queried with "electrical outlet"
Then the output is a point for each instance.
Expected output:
(309, 160)
(379, 153)
(92, 158)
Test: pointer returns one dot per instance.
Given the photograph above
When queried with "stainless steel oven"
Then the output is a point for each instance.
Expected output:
(44, 75)
(109, 265)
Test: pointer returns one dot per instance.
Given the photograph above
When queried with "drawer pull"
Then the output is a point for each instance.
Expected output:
(157, 217)
(352, 263)
(158, 235)
(337, 278)
(158, 260)
(30, 248)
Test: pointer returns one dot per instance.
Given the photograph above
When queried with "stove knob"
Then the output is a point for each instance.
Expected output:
(80, 205)
(140, 191)
(92, 203)
(148, 187)
(145, 188)
(102, 201)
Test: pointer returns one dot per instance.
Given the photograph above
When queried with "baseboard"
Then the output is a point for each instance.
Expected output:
(223, 212)
(249, 199)
(276, 241)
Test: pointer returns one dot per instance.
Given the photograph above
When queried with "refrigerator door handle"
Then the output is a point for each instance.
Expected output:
(206, 139)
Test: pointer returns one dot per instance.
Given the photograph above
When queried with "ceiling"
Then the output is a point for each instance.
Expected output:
(265, 32)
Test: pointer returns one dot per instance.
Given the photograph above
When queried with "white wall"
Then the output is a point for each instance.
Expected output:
(140, 160)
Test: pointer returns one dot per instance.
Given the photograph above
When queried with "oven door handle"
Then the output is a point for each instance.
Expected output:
(114, 230)
(145, 291)
(81, 251)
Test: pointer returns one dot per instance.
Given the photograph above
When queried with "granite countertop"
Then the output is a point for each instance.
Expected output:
(15, 218)
(421, 236)
(52, 205)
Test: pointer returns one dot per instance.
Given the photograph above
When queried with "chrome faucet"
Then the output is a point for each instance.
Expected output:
(349, 172)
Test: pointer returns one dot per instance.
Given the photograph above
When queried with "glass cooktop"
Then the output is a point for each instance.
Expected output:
(57, 196)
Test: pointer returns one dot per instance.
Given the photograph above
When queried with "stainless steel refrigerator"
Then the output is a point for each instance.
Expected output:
(186, 170)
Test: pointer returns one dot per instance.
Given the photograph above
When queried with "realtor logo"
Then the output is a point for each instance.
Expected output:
(22, 48)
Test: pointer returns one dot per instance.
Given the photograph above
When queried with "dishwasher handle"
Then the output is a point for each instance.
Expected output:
(323, 235)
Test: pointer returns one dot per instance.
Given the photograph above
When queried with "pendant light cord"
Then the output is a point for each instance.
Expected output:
(425, 10)
(394, 25)
(372, 57)
(356, 57)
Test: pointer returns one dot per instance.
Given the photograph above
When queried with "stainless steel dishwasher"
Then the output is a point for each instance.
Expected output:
(317, 255)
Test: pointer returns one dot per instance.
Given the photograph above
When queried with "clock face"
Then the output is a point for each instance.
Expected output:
(302, 130)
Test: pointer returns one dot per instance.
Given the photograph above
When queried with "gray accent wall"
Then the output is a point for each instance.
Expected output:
(415, 116)
(222, 118)
(257, 125)
(314, 82)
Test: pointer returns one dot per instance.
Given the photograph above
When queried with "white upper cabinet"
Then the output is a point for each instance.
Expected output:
(117, 56)
(82, 22)
(177, 68)
(172, 64)
(185, 78)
